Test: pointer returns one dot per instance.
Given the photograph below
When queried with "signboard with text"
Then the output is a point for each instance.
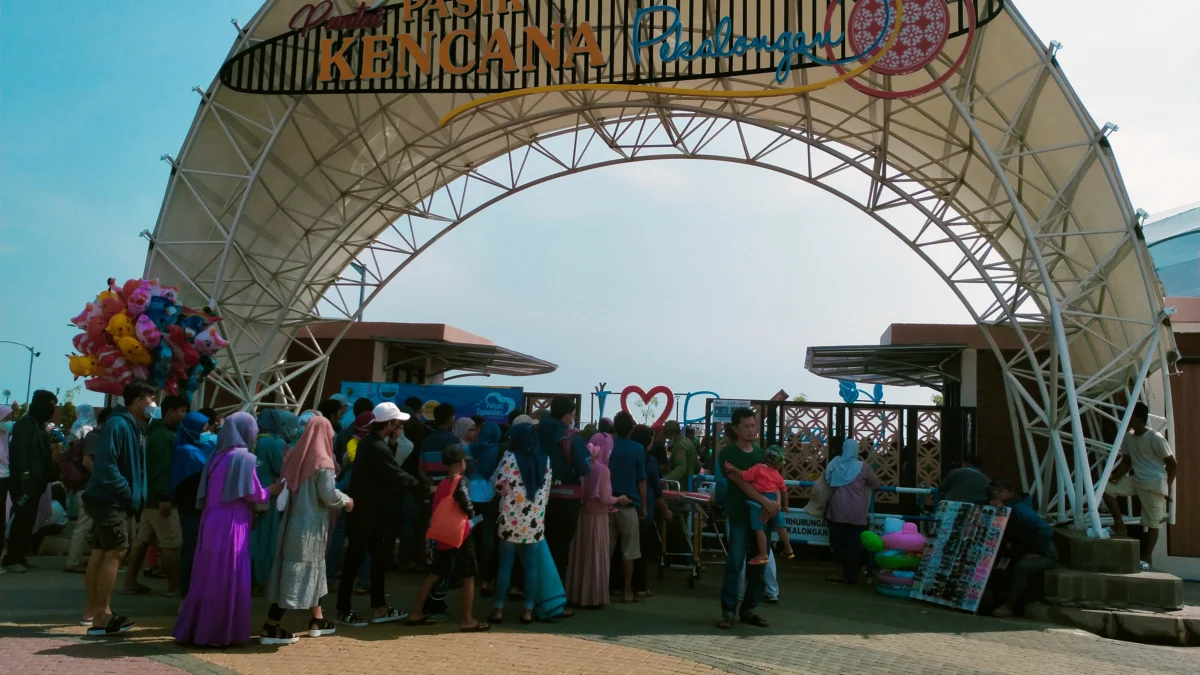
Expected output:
(491, 403)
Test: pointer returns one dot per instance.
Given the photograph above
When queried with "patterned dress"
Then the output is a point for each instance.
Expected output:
(522, 520)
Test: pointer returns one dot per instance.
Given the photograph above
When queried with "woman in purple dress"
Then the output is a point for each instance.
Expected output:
(216, 612)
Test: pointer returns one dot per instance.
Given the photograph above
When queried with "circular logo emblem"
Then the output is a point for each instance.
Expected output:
(923, 34)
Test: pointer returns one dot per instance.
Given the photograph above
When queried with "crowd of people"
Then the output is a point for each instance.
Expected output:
(534, 512)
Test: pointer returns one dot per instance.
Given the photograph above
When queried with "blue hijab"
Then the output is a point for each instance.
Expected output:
(190, 453)
(235, 441)
(485, 451)
(279, 423)
(531, 461)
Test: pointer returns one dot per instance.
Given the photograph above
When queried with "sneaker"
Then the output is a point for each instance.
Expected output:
(16, 569)
(319, 627)
(1145, 566)
(389, 616)
(351, 619)
(276, 635)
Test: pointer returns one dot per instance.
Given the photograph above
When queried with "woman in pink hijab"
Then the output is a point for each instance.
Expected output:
(587, 569)
(297, 578)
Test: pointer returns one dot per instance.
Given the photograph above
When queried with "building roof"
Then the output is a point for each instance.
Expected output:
(1174, 242)
(889, 365)
(460, 351)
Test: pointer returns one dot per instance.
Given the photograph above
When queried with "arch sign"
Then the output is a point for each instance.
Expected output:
(505, 48)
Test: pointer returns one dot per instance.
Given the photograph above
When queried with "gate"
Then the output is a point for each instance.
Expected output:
(906, 445)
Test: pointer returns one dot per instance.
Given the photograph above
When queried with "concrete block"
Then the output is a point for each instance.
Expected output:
(1143, 589)
(1118, 555)
(1100, 622)
(1161, 629)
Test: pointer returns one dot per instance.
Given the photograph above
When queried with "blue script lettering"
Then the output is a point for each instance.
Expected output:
(724, 44)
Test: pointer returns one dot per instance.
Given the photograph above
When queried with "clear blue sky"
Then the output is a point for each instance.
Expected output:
(81, 134)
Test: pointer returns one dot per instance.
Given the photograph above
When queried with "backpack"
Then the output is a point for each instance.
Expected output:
(70, 466)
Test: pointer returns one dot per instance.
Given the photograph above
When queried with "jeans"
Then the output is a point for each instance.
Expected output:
(509, 553)
(770, 578)
(742, 545)
(410, 538)
(562, 519)
(1025, 570)
(21, 535)
(333, 555)
(846, 541)
(189, 526)
(484, 534)
(362, 543)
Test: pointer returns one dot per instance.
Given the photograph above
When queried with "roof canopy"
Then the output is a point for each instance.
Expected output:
(889, 365)
(458, 351)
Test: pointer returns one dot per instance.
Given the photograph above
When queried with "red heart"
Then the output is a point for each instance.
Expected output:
(647, 396)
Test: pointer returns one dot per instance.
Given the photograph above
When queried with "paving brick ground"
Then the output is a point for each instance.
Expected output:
(817, 628)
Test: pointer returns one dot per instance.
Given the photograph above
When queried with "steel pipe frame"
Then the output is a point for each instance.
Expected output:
(975, 248)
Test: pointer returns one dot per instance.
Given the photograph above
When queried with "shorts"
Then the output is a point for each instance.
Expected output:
(154, 528)
(110, 525)
(756, 513)
(1154, 505)
(623, 528)
(460, 560)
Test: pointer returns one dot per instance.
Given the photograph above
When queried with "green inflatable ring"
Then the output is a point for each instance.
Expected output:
(893, 591)
(897, 562)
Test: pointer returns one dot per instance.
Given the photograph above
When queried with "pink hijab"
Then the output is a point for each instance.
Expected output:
(600, 446)
(310, 454)
(5, 411)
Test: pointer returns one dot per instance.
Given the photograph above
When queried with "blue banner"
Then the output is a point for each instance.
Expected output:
(491, 403)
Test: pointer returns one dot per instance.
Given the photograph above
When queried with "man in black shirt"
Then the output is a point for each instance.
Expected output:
(376, 478)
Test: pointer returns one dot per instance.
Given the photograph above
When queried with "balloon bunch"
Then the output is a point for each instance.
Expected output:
(140, 331)
(898, 553)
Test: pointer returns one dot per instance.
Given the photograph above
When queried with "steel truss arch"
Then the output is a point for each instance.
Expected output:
(275, 201)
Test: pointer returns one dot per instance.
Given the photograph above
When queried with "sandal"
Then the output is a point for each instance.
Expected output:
(276, 635)
(116, 624)
(760, 560)
(320, 627)
(427, 620)
(755, 620)
(479, 627)
(141, 589)
(726, 621)
(351, 618)
(834, 579)
(389, 616)
(496, 617)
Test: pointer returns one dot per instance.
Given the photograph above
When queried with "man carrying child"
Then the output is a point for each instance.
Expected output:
(765, 478)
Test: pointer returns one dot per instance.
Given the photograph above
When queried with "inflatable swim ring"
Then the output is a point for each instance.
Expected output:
(871, 541)
(893, 591)
(909, 542)
(897, 561)
(894, 579)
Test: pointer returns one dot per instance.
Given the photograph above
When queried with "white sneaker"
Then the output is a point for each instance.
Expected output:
(1145, 566)
(281, 637)
(17, 569)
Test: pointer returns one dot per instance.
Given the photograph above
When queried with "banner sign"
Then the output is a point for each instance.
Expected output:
(491, 403)
(955, 569)
(722, 409)
(808, 529)
(496, 46)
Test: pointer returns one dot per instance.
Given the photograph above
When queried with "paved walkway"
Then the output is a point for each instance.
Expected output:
(817, 628)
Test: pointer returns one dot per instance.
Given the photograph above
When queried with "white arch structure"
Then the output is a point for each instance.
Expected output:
(998, 179)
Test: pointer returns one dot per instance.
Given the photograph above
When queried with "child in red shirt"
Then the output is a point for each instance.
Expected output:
(768, 481)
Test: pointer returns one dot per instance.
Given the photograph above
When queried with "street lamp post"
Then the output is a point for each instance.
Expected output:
(32, 354)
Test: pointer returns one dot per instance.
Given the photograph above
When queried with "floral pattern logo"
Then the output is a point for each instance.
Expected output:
(923, 35)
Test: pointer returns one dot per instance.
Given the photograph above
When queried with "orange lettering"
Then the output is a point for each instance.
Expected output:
(534, 37)
(408, 46)
(507, 6)
(375, 48)
(444, 59)
(410, 6)
(440, 8)
(498, 49)
(584, 42)
(335, 58)
(465, 8)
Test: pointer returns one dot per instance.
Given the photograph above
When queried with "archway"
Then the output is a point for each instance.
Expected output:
(289, 191)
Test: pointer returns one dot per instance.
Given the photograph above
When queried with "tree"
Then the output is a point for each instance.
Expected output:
(937, 399)
(648, 410)
(800, 398)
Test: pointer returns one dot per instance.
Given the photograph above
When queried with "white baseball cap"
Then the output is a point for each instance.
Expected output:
(386, 412)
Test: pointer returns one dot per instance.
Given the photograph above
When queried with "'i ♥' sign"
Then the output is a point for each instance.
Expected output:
(647, 397)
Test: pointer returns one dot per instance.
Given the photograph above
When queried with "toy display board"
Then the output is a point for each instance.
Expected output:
(958, 560)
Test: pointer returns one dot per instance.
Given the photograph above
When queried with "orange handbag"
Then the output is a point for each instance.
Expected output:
(448, 525)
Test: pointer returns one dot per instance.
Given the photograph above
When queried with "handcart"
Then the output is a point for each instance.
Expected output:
(692, 510)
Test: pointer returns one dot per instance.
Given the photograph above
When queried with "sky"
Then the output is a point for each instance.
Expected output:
(691, 291)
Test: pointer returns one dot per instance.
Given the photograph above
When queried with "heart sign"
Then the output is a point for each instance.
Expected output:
(647, 397)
